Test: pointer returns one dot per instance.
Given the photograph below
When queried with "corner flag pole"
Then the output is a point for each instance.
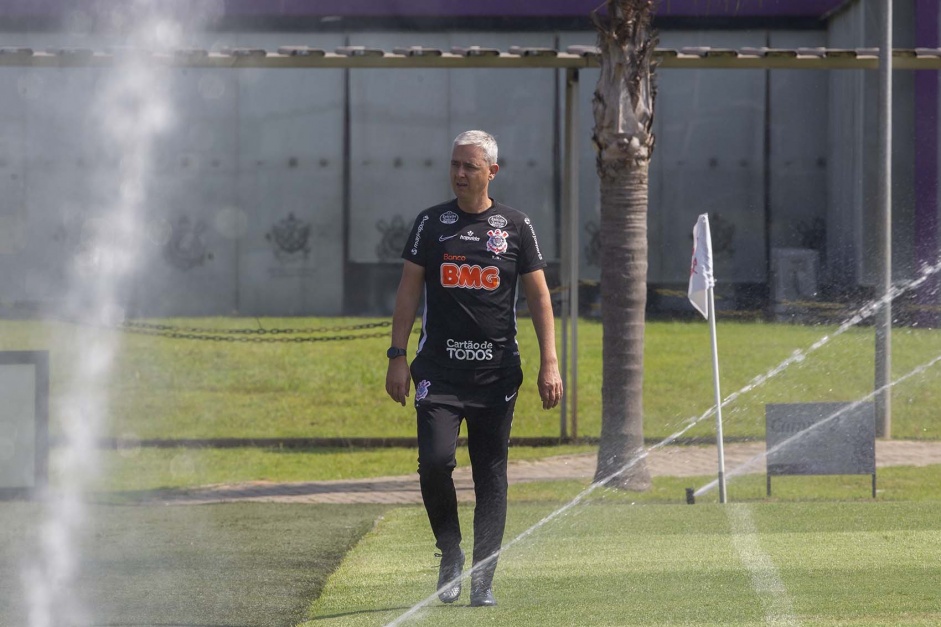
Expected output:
(715, 383)
(702, 297)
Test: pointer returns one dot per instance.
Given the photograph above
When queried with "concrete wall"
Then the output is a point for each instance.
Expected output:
(252, 212)
(245, 202)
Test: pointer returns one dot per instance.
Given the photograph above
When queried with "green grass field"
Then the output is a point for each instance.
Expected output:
(617, 564)
(821, 552)
(173, 389)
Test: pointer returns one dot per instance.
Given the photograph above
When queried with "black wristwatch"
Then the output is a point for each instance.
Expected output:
(394, 352)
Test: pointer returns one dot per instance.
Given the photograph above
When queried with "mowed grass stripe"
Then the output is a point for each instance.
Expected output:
(766, 581)
(618, 564)
(857, 563)
(595, 566)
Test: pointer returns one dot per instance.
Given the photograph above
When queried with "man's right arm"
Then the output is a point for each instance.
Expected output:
(398, 378)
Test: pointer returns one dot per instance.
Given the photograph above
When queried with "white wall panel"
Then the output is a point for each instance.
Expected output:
(589, 209)
(64, 160)
(709, 159)
(400, 147)
(290, 207)
(191, 268)
(517, 107)
(13, 208)
(798, 149)
(845, 158)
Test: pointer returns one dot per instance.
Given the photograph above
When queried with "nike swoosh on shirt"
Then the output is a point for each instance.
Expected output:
(441, 238)
(510, 397)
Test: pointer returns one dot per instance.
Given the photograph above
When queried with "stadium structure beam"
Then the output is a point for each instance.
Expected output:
(575, 57)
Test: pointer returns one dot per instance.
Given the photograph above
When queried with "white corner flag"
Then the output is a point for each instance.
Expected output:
(701, 284)
(700, 269)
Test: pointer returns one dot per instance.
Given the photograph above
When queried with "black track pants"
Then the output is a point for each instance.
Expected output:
(485, 399)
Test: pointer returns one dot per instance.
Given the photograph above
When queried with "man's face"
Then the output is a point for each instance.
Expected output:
(470, 174)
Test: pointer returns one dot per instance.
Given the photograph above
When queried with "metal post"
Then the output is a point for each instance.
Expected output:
(566, 262)
(571, 202)
(564, 360)
(883, 323)
(563, 363)
(720, 438)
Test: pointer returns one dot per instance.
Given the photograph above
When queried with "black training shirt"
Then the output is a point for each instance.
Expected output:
(472, 266)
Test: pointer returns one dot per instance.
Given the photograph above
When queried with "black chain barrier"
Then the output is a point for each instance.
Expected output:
(254, 336)
(264, 336)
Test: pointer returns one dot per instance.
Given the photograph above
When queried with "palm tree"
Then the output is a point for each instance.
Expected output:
(623, 137)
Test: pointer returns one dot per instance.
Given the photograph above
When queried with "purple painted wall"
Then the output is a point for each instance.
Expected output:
(435, 8)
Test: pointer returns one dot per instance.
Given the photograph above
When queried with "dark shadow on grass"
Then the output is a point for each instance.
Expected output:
(404, 608)
(172, 625)
(404, 487)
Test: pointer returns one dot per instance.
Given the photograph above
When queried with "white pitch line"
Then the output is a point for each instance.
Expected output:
(765, 580)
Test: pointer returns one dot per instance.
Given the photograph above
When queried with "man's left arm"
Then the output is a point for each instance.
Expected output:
(540, 309)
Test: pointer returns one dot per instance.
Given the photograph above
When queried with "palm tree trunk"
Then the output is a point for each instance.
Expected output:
(623, 137)
(623, 303)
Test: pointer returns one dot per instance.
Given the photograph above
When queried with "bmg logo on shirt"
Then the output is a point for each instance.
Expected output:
(470, 277)
(469, 351)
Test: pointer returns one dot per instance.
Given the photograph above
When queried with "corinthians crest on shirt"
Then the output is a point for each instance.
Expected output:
(497, 241)
(421, 390)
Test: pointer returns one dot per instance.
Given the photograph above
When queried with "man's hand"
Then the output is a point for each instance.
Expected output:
(540, 309)
(550, 385)
(398, 377)
(398, 380)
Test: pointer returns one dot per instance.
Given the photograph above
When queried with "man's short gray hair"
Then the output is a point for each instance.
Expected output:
(482, 140)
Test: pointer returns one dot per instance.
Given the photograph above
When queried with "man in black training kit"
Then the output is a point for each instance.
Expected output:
(466, 256)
